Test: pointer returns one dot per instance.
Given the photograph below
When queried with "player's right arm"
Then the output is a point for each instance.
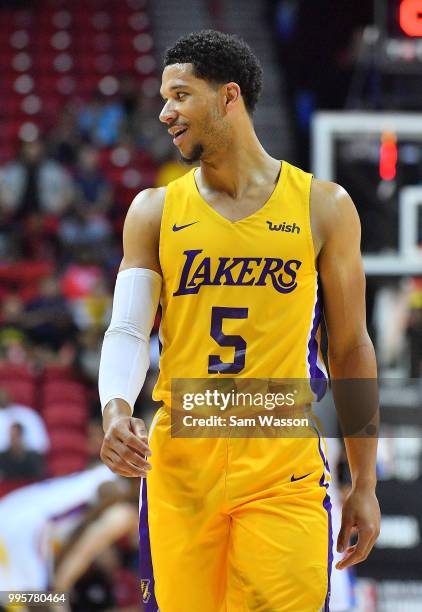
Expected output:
(124, 356)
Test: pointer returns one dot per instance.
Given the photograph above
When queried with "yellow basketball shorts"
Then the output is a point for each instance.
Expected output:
(234, 525)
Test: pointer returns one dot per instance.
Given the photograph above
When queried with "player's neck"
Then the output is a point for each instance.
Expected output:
(243, 164)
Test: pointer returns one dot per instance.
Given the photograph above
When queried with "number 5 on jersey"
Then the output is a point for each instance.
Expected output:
(215, 365)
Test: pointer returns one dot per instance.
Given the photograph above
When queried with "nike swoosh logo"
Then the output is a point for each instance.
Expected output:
(293, 479)
(177, 228)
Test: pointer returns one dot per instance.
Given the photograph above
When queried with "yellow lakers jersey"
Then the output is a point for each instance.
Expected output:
(239, 298)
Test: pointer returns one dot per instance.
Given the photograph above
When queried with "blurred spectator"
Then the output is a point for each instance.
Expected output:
(34, 191)
(35, 437)
(90, 341)
(17, 461)
(61, 207)
(34, 184)
(414, 327)
(64, 140)
(95, 439)
(87, 223)
(94, 309)
(100, 120)
(93, 189)
(84, 227)
(80, 276)
(12, 327)
(129, 94)
(89, 297)
(47, 317)
(170, 170)
(148, 132)
(9, 239)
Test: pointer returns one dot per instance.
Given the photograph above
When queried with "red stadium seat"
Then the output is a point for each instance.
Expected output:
(65, 414)
(47, 44)
(7, 152)
(63, 390)
(21, 391)
(12, 371)
(67, 441)
(54, 373)
(65, 464)
(25, 271)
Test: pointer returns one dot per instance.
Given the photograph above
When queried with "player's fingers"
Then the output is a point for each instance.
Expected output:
(128, 472)
(139, 428)
(124, 458)
(130, 456)
(347, 553)
(138, 444)
(125, 461)
(369, 533)
(360, 551)
(344, 536)
(121, 434)
(115, 464)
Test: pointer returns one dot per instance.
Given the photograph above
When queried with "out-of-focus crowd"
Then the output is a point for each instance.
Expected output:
(63, 201)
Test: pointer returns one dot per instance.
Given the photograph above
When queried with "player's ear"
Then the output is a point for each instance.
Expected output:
(232, 95)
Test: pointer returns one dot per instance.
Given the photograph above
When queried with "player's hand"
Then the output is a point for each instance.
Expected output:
(125, 447)
(361, 516)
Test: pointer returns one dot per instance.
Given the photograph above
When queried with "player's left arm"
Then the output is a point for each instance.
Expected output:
(116, 521)
(351, 355)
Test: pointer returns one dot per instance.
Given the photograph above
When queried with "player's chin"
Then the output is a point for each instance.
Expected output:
(192, 154)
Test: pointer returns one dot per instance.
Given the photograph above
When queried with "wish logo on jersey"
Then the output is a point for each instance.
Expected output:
(283, 227)
(236, 272)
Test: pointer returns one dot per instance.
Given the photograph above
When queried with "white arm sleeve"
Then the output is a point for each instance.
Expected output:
(125, 353)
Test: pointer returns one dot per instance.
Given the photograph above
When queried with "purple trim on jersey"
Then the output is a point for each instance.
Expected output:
(67, 513)
(321, 452)
(317, 376)
(145, 561)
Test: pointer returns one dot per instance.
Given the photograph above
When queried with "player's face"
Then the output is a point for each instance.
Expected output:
(193, 113)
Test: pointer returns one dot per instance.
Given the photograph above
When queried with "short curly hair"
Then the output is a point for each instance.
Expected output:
(220, 58)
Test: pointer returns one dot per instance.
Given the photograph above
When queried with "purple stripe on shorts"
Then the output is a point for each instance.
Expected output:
(145, 561)
(317, 376)
(327, 506)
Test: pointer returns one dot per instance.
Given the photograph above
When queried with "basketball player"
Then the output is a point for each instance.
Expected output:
(238, 251)
(27, 518)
